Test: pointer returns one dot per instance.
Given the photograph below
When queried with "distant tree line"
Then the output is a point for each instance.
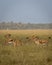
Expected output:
(16, 26)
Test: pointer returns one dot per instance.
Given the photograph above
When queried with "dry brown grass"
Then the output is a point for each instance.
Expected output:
(29, 32)
(28, 53)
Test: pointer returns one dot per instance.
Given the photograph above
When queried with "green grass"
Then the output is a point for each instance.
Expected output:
(27, 54)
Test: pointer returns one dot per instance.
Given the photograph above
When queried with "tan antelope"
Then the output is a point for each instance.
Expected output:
(13, 42)
(40, 41)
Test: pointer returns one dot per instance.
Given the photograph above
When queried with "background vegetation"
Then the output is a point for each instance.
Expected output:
(17, 26)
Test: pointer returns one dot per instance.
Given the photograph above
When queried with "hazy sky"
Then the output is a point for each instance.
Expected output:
(34, 11)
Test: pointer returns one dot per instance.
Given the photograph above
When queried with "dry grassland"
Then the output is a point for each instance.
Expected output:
(29, 53)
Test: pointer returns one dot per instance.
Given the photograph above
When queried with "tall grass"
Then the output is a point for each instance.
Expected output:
(29, 53)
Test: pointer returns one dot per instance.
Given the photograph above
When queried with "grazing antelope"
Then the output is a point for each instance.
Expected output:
(39, 41)
(13, 42)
